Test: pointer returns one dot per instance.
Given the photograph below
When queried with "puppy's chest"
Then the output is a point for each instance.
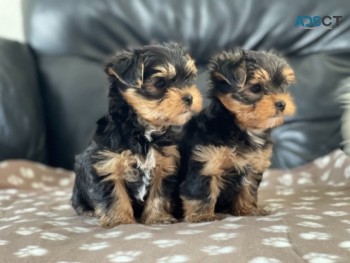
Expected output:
(139, 179)
(221, 161)
(259, 160)
(157, 164)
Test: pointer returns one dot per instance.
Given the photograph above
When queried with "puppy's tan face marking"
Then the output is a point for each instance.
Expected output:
(288, 75)
(190, 65)
(170, 110)
(165, 71)
(261, 115)
(260, 76)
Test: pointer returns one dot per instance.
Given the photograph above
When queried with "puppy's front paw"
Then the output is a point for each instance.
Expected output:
(202, 218)
(262, 212)
(107, 222)
(251, 212)
(164, 219)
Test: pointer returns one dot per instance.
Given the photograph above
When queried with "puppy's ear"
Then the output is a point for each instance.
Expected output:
(229, 68)
(127, 67)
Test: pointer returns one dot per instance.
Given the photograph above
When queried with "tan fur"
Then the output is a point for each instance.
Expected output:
(245, 203)
(263, 114)
(158, 208)
(121, 211)
(260, 159)
(165, 71)
(167, 161)
(289, 75)
(171, 110)
(190, 65)
(218, 159)
(115, 165)
(199, 211)
(260, 76)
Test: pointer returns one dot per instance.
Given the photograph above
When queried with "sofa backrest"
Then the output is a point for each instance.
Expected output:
(72, 39)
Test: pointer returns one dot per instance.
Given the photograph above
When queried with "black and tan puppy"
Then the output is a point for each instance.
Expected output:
(227, 147)
(129, 169)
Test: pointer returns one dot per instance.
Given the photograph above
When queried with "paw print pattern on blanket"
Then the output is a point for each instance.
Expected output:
(3, 242)
(279, 242)
(141, 235)
(217, 250)
(25, 231)
(276, 229)
(173, 259)
(223, 236)
(108, 235)
(162, 243)
(53, 236)
(345, 244)
(189, 232)
(310, 209)
(264, 260)
(94, 246)
(124, 256)
(315, 236)
(28, 251)
(320, 257)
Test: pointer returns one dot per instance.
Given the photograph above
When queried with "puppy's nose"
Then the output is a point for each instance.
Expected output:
(280, 105)
(187, 99)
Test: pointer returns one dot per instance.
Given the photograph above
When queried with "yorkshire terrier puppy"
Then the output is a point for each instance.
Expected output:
(227, 147)
(129, 169)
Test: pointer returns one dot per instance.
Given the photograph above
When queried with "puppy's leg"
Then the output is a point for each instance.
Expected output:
(80, 201)
(197, 211)
(158, 206)
(81, 205)
(199, 195)
(121, 211)
(113, 167)
(245, 202)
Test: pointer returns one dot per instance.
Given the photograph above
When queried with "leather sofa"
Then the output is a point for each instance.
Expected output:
(53, 88)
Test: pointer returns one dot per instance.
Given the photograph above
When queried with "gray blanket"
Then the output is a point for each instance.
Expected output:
(309, 222)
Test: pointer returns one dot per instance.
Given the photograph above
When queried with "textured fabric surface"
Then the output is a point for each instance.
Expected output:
(71, 39)
(309, 222)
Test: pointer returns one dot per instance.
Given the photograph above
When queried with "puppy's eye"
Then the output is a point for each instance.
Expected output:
(160, 84)
(256, 89)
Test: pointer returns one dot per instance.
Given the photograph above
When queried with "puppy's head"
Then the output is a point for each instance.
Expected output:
(157, 81)
(253, 86)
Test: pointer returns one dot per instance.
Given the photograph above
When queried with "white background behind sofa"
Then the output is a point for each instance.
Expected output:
(11, 26)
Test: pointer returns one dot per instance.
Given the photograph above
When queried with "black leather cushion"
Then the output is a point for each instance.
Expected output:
(22, 126)
(72, 38)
